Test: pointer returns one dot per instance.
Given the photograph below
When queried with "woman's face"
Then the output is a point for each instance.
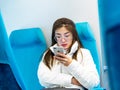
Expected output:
(64, 37)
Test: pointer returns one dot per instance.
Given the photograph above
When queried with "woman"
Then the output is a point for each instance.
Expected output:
(73, 69)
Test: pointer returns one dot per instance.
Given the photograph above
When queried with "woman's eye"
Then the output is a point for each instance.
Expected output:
(67, 35)
(58, 36)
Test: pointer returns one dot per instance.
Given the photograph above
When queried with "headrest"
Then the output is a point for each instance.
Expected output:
(84, 31)
(27, 36)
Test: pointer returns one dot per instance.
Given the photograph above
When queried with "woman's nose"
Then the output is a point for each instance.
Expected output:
(63, 40)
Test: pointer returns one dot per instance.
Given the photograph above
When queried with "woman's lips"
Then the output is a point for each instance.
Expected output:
(64, 45)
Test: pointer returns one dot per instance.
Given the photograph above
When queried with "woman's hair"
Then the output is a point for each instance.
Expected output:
(70, 26)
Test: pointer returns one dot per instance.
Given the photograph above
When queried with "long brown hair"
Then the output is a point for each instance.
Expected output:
(70, 26)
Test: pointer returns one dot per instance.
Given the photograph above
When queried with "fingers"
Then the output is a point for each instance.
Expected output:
(61, 55)
(62, 58)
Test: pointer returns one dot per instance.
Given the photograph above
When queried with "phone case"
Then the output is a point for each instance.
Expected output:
(58, 49)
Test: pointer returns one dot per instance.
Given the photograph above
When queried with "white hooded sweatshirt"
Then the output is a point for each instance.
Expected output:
(83, 69)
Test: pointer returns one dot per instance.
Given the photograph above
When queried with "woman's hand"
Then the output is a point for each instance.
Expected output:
(75, 82)
(64, 59)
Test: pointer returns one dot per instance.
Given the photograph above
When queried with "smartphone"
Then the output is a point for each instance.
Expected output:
(58, 49)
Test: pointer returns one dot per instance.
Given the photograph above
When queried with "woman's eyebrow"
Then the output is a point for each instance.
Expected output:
(67, 33)
(60, 33)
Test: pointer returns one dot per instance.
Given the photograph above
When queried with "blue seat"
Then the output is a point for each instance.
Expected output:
(112, 50)
(7, 79)
(28, 46)
(88, 40)
(5, 48)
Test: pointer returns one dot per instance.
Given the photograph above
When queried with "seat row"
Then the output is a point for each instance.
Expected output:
(24, 48)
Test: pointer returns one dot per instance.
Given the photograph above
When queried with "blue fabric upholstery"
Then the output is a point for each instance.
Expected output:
(109, 14)
(88, 40)
(5, 48)
(112, 49)
(20, 58)
(7, 79)
(28, 46)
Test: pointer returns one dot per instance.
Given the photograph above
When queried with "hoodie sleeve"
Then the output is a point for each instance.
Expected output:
(52, 78)
(85, 72)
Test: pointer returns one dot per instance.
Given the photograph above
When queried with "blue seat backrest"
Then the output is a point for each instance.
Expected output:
(6, 56)
(28, 46)
(5, 48)
(88, 40)
(112, 50)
